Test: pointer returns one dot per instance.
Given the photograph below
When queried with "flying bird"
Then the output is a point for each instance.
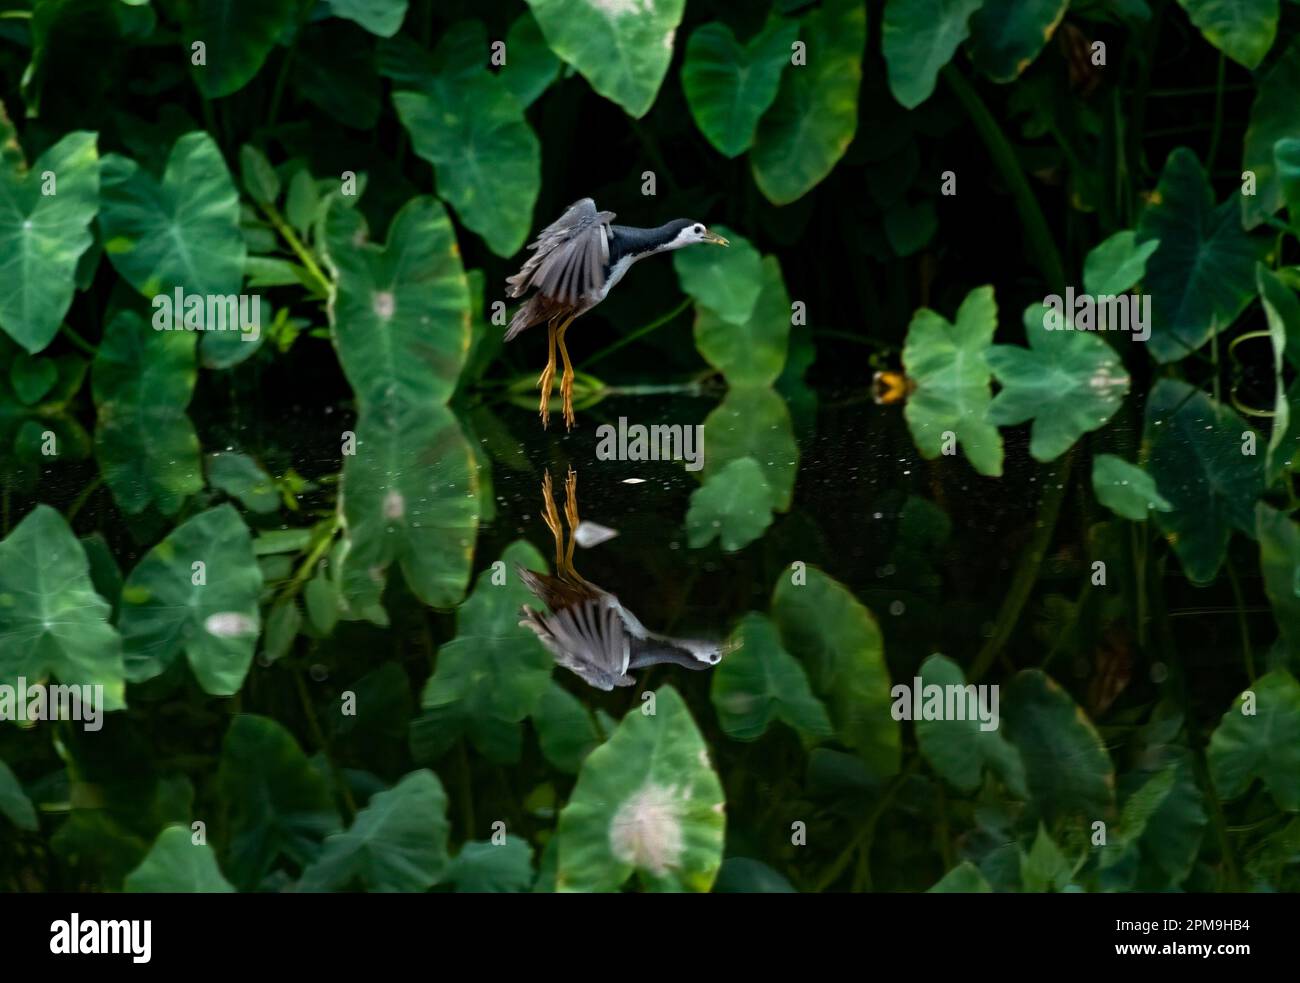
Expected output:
(576, 261)
(585, 627)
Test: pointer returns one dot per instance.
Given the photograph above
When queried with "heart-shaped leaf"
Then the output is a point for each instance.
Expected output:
(811, 124)
(400, 313)
(45, 216)
(647, 801)
(180, 232)
(492, 868)
(750, 352)
(1198, 458)
(1274, 116)
(531, 66)
(761, 682)
(176, 864)
(838, 641)
(1007, 35)
(1242, 29)
(495, 672)
(195, 592)
(730, 86)
(1125, 488)
(1203, 274)
(621, 47)
(32, 377)
(726, 281)
(381, 17)
(949, 366)
(1066, 766)
(274, 801)
(142, 381)
(398, 842)
(961, 749)
(754, 422)
(52, 623)
(1068, 382)
(1259, 738)
(237, 35)
(1117, 264)
(564, 728)
(918, 39)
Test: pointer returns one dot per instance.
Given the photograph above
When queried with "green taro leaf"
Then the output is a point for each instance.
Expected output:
(1279, 564)
(565, 729)
(965, 878)
(142, 380)
(52, 623)
(919, 37)
(177, 865)
(490, 868)
(1125, 488)
(1068, 382)
(647, 801)
(1117, 264)
(472, 129)
(761, 682)
(948, 363)
(1282, 312)
(45, 216)
(961, 749)
(839, 643)
(237, 34)
(1242, 29)
(1203, 273)
(752, 351)
(275, 802)
(730, 86)
(530, 66)
(409, 497)
(726, 281)
(1274, 116)
(621, 47)
(195, 592)
(1067, 769)
(239, 476)
(1196, 458)
(754, 422)
(494, 673)
(1262, 744)
(811, 124)
(398, 842)
(381, 17)
(180, 232)
(400, 312)
(1007, 35)
(14, 802)
(32, 377)
(1044, 868)
(734, 505)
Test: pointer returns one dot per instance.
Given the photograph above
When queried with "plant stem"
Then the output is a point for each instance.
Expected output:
(77, 340)
(1041, 245)
(640, 332)
(301, 251)
(82, 498)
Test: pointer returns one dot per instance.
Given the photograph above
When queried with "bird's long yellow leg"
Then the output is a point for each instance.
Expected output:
(548, 375)
(571, 513)
(566, 382)
(551, 516)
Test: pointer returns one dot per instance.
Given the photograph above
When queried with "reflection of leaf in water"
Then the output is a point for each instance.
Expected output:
(753, 421)
(142, 381)
(408, 496)
(734, 505)
(947, 363)
(1068, 382)
(1264, 745)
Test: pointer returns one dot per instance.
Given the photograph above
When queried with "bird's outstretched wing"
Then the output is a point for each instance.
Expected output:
(588, 639)
(569, 256)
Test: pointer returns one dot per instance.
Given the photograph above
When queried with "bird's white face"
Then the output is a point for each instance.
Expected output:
(706, 653)
(694, 233)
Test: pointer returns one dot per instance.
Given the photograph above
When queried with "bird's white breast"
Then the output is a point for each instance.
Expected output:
(616, 273)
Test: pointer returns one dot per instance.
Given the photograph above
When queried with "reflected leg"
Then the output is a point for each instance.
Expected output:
(571, 513)
(551, 516)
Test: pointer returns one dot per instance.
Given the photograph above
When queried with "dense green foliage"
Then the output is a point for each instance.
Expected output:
(288, 555)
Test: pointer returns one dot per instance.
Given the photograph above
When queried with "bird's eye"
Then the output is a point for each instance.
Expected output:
(699, 229)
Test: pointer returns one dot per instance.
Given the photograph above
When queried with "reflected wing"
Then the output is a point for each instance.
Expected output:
(588, 639)
(569, 256)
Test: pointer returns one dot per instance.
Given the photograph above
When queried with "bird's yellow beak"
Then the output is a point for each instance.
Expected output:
(714, 238)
